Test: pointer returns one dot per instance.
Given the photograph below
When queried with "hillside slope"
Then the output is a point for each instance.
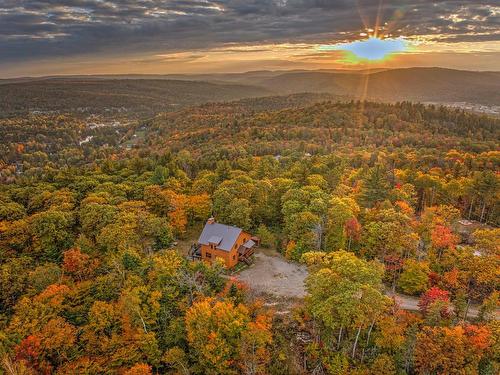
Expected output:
(414, 84)
(134, 96)
(274, 126)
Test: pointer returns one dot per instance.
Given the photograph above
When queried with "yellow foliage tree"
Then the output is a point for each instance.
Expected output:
(224, 337)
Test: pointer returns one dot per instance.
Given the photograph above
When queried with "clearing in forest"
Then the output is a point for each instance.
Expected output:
(272, 274)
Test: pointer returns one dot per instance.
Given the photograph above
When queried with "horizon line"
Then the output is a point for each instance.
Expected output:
(367, 70)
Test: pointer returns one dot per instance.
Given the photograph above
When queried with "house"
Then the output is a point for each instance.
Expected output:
(226, 242)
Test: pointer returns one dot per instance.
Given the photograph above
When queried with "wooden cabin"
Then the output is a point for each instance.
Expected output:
(226, 242)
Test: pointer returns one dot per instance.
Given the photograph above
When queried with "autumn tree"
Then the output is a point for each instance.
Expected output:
(304, 230)
(432, 296)
(489, 307)
(199, 207)
(224, 336)
(342, 225)
(11, 211)
(95, 216)
(488, 241)
(442, 239)
(78, 264)
(485, 189)
(415, 277)
(388, 233)
(267, 238)
(135, 228)
(13, 281)
(344, 292)
(51, 233)
(166, 202)
(456, 350)
(139, 369)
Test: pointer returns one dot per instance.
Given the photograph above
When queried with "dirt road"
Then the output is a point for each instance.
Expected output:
(411, 303)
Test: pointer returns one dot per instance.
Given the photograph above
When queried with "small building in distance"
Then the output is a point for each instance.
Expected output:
(231, 244)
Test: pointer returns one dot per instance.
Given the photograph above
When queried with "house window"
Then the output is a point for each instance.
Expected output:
(208, 255)
(234, 257)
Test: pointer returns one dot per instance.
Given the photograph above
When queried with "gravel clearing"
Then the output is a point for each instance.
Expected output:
(275, 275)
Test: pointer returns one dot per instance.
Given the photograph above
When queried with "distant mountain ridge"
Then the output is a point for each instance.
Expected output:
(149, 94)
(412, 84)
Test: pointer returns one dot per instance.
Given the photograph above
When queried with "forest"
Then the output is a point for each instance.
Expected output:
(371, 197)
(113, 96)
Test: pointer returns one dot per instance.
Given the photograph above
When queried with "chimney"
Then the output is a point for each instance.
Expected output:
(211, 220)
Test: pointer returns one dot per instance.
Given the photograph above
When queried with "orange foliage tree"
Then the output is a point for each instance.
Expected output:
(442, 238)
(139, 369)
(224, 337)
(457, 350)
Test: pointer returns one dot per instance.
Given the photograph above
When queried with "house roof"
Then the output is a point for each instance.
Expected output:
(215, 240)
(227, 234)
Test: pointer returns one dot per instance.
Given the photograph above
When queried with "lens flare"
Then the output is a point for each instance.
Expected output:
(372, 49)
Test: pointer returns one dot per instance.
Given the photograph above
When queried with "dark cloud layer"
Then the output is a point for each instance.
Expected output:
(57, 28)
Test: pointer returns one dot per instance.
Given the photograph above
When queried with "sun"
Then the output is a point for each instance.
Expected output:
(372, 49)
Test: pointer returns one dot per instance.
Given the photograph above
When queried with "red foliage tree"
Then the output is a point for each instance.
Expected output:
(434, 279)
(432, 295)
(29, 351)
(78, 264)
(353, 228)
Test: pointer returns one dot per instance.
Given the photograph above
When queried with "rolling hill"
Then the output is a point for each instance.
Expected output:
(144, 95)
(413, 84)
(137, 97)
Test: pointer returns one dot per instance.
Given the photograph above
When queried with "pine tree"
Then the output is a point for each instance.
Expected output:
(375, 187)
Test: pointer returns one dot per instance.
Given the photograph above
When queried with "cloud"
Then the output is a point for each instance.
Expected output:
(37, 29)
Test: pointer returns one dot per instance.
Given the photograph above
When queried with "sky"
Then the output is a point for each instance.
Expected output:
(210, 36)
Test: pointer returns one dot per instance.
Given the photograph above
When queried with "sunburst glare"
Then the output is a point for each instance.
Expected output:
(372, 49)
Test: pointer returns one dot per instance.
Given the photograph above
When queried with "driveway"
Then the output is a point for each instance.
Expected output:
(273, 274)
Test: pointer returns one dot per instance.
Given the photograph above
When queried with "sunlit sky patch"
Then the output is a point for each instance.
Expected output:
(371, 49)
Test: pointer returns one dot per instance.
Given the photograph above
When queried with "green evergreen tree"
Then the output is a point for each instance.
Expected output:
(375, 187)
